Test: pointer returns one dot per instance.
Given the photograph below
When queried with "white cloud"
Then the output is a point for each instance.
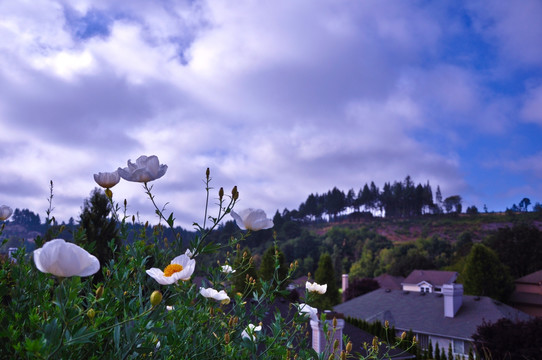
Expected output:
(532, 107)
(280, 98)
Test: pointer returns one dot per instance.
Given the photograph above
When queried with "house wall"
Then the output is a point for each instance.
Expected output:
(529, 288)
(413, 288)
(532, 310)
(443, 343)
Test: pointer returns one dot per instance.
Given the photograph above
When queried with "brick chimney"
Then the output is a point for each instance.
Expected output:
(319, 342)
(453, 299)
(345, 284)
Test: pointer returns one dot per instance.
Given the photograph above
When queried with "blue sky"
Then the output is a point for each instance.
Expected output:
(281, 98)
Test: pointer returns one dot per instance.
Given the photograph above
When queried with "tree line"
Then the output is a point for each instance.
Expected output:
(397, 199)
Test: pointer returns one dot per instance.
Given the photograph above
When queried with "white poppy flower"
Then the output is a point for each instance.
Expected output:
(217, 295)
(249, 332)
(5, 212)
(190, 253)
(314, 287)
(227, 269)
(180, 268)
(146, 168)
(252, 219)
(65, 259)
(107, 179)
(307, 309)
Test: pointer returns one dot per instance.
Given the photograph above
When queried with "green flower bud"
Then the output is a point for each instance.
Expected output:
(156, 297)
(99, 292)
(91, 313)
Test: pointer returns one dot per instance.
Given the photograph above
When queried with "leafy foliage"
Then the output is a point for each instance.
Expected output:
(511, 243)
(485, 275)
(506, 339)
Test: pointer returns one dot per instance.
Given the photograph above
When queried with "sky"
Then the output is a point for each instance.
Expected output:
(281, 98)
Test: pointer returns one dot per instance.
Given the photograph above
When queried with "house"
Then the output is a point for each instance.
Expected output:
(527, 295)
(428, 280)
(445, 317)
(322, 343)
(387, 281)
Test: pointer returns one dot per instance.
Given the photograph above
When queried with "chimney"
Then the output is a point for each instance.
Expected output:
(345, 284)
(319, 342)
(453, 299)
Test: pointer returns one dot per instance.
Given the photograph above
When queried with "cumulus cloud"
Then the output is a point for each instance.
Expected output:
(280, 98)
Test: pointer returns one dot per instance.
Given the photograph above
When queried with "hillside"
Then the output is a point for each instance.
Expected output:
(448, 226)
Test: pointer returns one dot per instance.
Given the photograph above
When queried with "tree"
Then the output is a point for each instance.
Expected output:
(240, 278)
(472, 210)
(99, 228)
(485, 275)
(453, 203)
(438, 197)
(524, 204)
(519, 248)
(335, 202)
(273, 259)
(326, 275)
(359, 287)
(506, 339)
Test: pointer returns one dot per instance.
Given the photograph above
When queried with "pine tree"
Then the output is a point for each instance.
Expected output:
(326, 275)
(269, 262)
(437, 352)
(99, 228)
(450, 352)
(241, 276)
(430, 350)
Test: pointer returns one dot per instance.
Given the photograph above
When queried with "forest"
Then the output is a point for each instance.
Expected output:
(364, 234)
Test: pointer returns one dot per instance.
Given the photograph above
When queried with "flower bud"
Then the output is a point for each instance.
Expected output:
(91, 313)
(334, 322)
(109, 193)
(335, 344)
(343, 355)
(403, 335)
(99, 292)
(349, 347)
(386, 324)
(331, 356)
(221, 193)
(235, 193)
(156, 297)
(227, 338)
(375, 344)
(207, 173)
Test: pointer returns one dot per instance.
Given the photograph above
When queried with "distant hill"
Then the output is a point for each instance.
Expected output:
(446, 226)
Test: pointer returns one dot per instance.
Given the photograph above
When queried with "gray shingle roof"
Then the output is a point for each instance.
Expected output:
(433, 277)
(425, 313)
(533, 278)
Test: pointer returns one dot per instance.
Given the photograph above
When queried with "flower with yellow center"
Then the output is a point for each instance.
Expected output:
(181, 268)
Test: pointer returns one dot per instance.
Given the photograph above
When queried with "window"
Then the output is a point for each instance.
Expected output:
(459, 346)
(422, 340)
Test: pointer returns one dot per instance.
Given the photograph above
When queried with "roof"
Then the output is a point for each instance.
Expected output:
(533, 278)
(433, 277)
(387, 281)
(424, 312)
(355, 334)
